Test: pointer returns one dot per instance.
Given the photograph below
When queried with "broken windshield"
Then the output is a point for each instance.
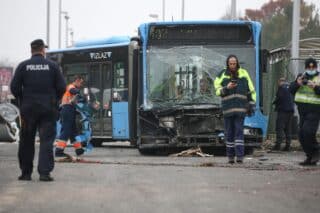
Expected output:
(184, 75)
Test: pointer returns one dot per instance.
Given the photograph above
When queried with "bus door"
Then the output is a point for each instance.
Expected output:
(120, 114)
(100, 82)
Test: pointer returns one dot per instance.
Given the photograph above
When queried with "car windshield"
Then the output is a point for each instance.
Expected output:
(184, 75)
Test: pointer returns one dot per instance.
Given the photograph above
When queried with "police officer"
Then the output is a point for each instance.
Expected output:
(38, 85)
(235, 87)
(306, 90)
(285, 108)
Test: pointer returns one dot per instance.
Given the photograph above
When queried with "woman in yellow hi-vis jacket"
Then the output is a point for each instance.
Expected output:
(237, 92)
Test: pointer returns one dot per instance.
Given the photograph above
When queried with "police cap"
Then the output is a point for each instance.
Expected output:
(38, 43)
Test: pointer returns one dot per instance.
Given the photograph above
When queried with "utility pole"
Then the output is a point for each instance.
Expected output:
(163, 9)
(48, 22)
(233, 9)
(67, 28)
(182, 10)
(59, 27)
(295, 37)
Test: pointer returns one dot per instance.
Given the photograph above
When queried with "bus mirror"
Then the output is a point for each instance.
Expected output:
(137, 39)
(264, 54)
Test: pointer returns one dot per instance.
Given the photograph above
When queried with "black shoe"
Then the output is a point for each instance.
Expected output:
(46, 178)
(276, 147)
(60, 153)
(231, 160)
(239, 160)
(79, 151)
(26, 177)
(307, 162)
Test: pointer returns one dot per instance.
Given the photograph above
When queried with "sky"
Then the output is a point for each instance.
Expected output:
(22, 21)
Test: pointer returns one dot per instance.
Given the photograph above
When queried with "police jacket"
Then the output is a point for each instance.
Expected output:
(38, 82)
(306, 98)
(284, 99)
(237, 100)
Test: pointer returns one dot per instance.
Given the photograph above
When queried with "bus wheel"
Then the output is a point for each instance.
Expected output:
(147, 151)
(96, 142)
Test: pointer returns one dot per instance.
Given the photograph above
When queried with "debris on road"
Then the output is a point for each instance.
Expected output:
(193, 152)
(72, 159)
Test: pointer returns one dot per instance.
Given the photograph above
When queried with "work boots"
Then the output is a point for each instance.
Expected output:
(79, 151)
(59, 152)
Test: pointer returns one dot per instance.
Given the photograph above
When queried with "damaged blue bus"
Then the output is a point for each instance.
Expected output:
(177, 105)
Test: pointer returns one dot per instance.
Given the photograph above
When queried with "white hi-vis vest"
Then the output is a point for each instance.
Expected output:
(307, 95)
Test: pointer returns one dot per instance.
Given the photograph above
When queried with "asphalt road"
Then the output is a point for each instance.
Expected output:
(121, 180)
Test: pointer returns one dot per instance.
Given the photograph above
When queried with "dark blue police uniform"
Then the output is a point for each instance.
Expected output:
(38, 85)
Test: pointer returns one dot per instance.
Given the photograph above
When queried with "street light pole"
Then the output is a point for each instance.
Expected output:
(48, 22)
(233, 10)
(59, 27)
(295, 36)
(163, 9)
(182, 10)
(67, 26)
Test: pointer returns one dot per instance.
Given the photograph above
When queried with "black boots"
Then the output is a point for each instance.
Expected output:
(24, 177)
(79, 151)
(46, 178)
(308, 162)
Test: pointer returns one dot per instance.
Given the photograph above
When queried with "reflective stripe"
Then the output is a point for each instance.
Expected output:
(61, 144)
(307, 98)
(239, 144)
(77, 145)
(234, 96)
(230, 144)
(235, 110)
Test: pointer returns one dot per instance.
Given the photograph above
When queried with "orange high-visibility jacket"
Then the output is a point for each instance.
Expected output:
(67, 96)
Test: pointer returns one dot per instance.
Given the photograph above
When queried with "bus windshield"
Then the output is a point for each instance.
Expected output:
(184, 75)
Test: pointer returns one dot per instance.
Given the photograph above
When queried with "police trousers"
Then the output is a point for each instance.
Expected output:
(308, 126)
(234, 135)
(284, 127)
(35, 118)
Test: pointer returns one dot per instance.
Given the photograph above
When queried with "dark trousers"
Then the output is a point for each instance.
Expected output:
(308, 126)
(33, 118)
(234, 135)
(68, 123)
(283, 127)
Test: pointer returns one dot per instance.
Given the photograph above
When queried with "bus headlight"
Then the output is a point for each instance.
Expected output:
(250, 131)
(167, 122)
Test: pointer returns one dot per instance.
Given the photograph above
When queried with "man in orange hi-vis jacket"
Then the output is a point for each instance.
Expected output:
(68, 119)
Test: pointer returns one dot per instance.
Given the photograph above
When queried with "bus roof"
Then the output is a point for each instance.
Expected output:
(205, 22)
(114, 41)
